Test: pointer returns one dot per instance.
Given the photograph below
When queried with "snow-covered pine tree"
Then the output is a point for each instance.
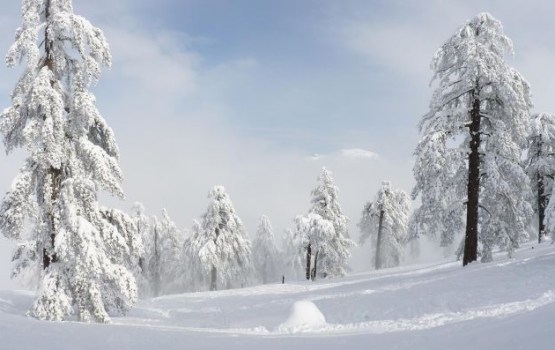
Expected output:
(482, 105)
(72, 155)
(192, 272)
(540, 165)
(143, 228)
(127, 227)
(225, 251)
(329, 245)
(385, 222)
(171, 244)
(413, 235)
(292, 248)
(316, 233)
(325, 202)
(266, 253)
(162, 256)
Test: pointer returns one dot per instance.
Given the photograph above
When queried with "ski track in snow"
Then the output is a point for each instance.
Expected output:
(423, 322)
(428, 321)
(388, 281)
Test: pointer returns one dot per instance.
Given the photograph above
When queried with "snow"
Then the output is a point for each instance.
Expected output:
(507, 304)
(304, 316)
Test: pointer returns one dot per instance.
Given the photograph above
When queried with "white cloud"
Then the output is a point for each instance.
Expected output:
(399, 47)
(357, 153)
(348, 153)
(158, 62)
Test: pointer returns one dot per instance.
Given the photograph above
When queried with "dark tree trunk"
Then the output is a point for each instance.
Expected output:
(542, 203)
(48, 254)
(472, 207)
(378, 263)
(308, 258)
(542, 196)
(315, 269)
(55, 175)
(157, 267)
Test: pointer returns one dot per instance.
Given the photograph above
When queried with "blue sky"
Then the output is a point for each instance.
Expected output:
(287, 74)
(244, 93)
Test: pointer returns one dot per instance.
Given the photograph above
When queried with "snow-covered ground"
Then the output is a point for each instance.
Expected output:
(507, 304)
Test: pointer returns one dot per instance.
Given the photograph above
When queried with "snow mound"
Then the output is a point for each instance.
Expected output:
(304, 316)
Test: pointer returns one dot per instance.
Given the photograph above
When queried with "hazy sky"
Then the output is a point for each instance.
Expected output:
(245, 93)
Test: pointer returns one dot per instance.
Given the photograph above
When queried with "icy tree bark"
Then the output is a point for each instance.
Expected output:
(308, 260)
(213, 278)
(379, 241)
(540, 167)
(542, 196)
(157, 267)
(542, 204)
(48, 254)
(472, 207)
(315, 268)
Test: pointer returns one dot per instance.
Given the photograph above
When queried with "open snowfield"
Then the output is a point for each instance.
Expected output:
(507, 304)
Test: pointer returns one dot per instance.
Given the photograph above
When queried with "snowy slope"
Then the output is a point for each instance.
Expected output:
(507, 304)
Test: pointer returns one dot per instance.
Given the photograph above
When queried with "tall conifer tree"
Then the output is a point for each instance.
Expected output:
(72, 154)
(468, 163)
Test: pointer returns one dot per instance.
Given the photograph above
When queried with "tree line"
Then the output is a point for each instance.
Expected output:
(217, 253)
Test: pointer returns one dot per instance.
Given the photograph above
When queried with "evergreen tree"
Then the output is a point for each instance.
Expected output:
(293, 248)
(224, 251)
(126, 225)
(265, 252)
(82, 248)
(540, 164)
(413, 235)
(192, 272)
(143, 229)
(324, 231)
(316, 234)
(385, 220)
(171, 243)
(484, 104)
(162, 256)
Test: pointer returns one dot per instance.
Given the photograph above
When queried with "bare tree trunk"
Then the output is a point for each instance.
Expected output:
(379, 242)
(308, 258)
(472, 207)
(315, 269)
